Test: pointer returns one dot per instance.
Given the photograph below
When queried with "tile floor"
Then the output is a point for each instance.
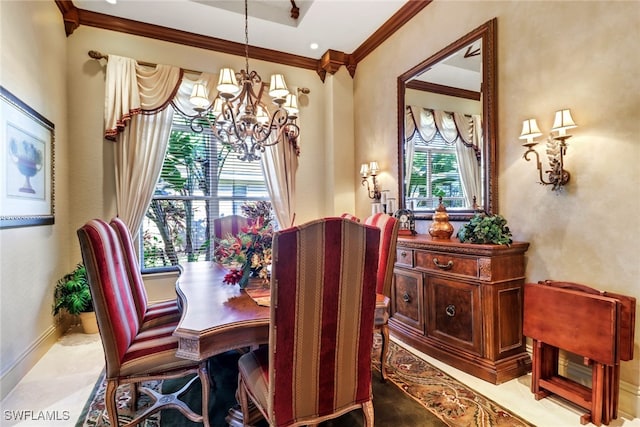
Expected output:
(60, 383)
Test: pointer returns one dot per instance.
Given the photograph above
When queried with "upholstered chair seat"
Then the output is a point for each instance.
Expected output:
(388, 226)
(132, 354)
(318, 362)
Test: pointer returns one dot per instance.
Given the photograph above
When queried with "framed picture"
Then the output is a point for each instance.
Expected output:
(26, 164)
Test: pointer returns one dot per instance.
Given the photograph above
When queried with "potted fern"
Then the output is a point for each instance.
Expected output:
(72, 294)
(486, 229)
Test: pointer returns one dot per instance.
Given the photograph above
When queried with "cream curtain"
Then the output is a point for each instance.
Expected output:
(139, 108)
(138, 118)
(468, 156)
(279, 165)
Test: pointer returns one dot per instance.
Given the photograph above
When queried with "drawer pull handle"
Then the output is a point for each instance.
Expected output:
(446, 266)
(406, 297)
(403, 254)
(450, 310)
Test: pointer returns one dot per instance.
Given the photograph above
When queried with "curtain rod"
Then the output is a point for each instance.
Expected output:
(97, 55)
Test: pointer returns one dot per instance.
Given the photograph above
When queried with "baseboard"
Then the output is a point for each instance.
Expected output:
(629, 403)
(12, 375)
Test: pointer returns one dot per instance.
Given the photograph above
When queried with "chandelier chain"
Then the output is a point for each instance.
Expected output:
(246, 35)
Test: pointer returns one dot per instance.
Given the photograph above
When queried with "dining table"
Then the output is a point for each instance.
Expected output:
(218, 317)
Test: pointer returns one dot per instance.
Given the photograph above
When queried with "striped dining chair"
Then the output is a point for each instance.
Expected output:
(230, 224)
(318, 362)
(388, 226)
(149, 315)
(352, 217)
(132, 355)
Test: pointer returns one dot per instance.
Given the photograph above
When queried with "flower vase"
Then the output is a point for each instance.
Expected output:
(256, 283)
(251, 279)
(441, 228)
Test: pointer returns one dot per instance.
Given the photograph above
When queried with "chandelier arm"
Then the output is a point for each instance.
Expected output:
(239, 124)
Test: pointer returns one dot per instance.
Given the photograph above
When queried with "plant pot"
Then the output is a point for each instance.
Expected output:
(89, 322)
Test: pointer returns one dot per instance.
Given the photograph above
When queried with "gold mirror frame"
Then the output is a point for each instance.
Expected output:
(489, 202)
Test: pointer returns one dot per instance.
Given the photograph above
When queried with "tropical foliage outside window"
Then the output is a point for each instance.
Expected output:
(200, 180)
(435, 162)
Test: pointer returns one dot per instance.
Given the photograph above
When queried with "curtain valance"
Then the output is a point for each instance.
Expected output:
(424, 123)
(135, 89)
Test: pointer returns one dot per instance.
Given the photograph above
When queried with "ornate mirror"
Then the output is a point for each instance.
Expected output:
(447, 129)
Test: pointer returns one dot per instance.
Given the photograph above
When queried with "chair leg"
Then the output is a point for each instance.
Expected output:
(384, 330)
(110, 401)
(133, 387)
(367, 408)
(243, 400)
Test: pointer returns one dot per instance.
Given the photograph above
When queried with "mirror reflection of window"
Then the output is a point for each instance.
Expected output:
(443, 159)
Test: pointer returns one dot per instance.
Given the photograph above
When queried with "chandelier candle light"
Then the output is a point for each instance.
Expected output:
(242, 121)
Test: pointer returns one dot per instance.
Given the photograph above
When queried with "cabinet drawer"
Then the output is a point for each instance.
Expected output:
(407, 299)
(404, 257)
(447, 263)
(454, 314)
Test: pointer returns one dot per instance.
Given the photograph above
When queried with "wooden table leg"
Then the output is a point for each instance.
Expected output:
(597, 390)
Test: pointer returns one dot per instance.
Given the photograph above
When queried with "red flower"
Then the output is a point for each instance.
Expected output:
(232, 277)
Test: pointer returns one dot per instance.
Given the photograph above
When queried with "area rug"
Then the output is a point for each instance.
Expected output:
(416, 395)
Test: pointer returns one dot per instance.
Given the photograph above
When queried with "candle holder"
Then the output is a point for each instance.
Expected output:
(371, 170)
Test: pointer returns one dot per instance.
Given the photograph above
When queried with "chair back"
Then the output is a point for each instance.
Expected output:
(352, 217)
(225, 225)
(388, 226)
(322, 308)
(133, 268)
(110, 291)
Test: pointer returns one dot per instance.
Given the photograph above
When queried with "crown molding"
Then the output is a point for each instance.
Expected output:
(330, 62)
(393, 24)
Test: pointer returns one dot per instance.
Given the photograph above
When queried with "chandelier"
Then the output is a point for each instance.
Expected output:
(242, 122)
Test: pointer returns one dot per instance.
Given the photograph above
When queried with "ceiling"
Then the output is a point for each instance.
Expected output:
(462, 69)
(341, 25)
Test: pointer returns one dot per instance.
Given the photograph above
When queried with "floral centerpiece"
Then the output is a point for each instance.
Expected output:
(248, 253)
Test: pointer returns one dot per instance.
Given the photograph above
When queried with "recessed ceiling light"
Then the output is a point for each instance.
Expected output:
(314, 46)
(111, 1)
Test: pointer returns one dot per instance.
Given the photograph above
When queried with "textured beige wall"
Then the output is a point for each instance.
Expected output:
(32, 258)
(551, 55)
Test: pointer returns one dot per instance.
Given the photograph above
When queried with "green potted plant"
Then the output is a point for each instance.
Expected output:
(486, 229)
(72, 294)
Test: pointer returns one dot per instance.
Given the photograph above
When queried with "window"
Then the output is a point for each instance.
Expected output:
(200, 180)
(435, 162)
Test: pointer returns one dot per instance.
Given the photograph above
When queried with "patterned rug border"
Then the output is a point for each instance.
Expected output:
(447, 398)
(94, 412)
(443, 409)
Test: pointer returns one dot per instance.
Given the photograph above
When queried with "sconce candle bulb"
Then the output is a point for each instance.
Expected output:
(556, 148)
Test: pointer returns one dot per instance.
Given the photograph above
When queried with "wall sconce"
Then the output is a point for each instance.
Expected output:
(556, 148)
(371, 170)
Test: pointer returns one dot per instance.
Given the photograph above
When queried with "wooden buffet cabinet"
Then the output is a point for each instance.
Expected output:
(462, 304)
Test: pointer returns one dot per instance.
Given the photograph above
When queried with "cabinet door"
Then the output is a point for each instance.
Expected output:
(455, 315)
(407, 298)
